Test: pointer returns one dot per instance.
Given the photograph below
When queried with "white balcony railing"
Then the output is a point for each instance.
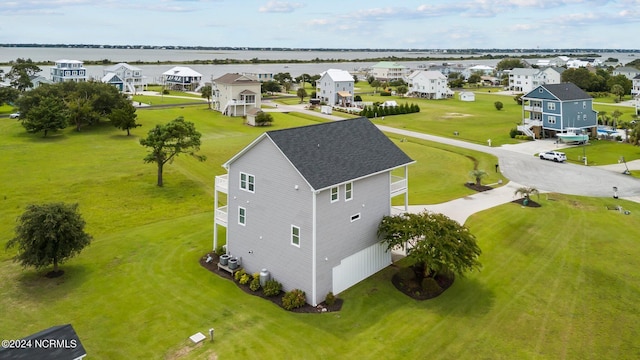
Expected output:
(533, 108)
(398, 185)
(532, 122)
(222, 183)
(222, 216)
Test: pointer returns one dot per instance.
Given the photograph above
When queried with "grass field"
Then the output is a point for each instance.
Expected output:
(558, 281)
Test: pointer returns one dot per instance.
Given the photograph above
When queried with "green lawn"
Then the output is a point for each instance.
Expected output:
(166, 99)
(602, 152)
(558, 281)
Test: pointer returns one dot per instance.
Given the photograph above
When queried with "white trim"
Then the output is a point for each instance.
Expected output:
(242, 216)
(314, 263)
(250, 182)
(348, 194)
(337, 194)
(292, 235)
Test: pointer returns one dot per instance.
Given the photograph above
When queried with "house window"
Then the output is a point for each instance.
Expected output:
(242, 216)
(295, 235)
(551, 106)
(584, 117)
(334, 194)
(348, 191)
(552, 119)
(247, 182)
(355, 217)
(584, 104)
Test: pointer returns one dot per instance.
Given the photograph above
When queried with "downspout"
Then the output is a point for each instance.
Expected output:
(313, 247)
(406, 191)
(215, 222)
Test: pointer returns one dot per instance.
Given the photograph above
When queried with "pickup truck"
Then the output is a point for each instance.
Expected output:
(553, 155)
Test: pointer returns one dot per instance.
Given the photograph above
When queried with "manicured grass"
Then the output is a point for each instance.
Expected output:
(7, 109)
(166, 99)
(475, 121)
(602, 152)
(558, 281)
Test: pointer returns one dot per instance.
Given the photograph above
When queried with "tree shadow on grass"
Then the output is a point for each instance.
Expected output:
(38, 287)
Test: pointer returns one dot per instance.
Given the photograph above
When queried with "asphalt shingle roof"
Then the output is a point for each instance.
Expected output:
(567, 91)
(69, 346)
(336, 152)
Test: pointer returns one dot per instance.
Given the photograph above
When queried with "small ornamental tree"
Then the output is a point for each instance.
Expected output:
(170, 140)
(302, 93)
(434, 242)
(477, 175)
(498, 105)
(49, 234)
(205, 93)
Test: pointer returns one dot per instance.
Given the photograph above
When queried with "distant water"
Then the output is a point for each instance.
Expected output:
(154, 72)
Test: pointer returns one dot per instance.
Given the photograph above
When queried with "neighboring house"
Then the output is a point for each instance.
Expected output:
(557, 108)
(551, 75)
(478, 69)
(260, 74)
(55, 343)
(335, 87)
(467, 96)
(305, 203)
(523, 79)
(236, 94)
(428, 84)
(113, 79)
(389, 70)
(635, 89)
(490, 80)
(68, 70)
(37, 80)
(181, 78)
(628, 71)
(131, 76)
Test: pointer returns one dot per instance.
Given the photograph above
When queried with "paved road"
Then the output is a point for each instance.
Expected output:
(519, 165)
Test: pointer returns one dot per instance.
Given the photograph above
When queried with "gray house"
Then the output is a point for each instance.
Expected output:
(55, 343)
(558, 108)
(305, 203)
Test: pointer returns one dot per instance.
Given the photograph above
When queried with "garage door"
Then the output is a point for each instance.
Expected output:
(360, 266)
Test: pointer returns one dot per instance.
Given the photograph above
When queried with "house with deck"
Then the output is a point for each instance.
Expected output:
(388, 71)
(305, 204)
(635, 88)
(335, 87)
(428, 84)
(628, 71)
(131, 77)
(551, 109)
(181, 78)
(236, 94)
(68, 70)
(524, 79)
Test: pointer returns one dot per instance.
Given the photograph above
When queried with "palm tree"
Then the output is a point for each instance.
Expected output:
(477, 175)
(527, 191)
(616, 115)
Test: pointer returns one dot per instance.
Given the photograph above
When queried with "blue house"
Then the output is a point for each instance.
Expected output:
(305, 204)
(557, 108)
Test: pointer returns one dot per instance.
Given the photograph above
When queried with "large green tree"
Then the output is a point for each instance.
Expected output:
(433, 241)
(49, 234)
(621, 80)
(8, 95)
(301, 93)
(49, 115)
(21, 72)
(170, 140)
(124, 118)
(509, 64)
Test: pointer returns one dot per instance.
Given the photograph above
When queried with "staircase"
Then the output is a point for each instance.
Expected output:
(525, 129)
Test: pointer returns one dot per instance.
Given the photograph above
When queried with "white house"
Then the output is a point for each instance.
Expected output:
(305, 204)
(478, 69)
(131, 76)
(335, 87)
(181, 78)
(628, 71)
(261, 75)
(68, 70)
(389, 70)
(635, 89)
(37, 80)
(551, 75)
(428, 84)
(236, 94)
(523, 79)
(467, 96)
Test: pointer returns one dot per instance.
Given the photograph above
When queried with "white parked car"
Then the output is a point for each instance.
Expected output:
(15, 115)
(556, 156)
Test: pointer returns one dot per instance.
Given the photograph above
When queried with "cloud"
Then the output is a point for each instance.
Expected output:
(280, 7)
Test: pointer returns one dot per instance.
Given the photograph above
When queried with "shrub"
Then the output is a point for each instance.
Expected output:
(255, 283)
(239, 274)
(220, 250)
(406, 273)
(498, 105)
(293, 299)
(513, 132)
(272, 288)
(385, 93)
(244, 279)
(330, 299)
(165, 91)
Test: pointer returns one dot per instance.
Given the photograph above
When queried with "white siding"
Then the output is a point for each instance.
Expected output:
(360, 266)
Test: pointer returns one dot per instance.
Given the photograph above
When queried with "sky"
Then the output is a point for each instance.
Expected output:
(420, 24)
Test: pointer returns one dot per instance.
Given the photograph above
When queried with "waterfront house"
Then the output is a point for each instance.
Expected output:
(181, 78)
(428, 84)
(236, 94)
(388, 71)
(68, 70)
(335, 87)
(261, 75)
(523, 79)
(635, 89)
(305, 203)
(557, 108)
(131, 76)
(37, 80)
(114, 80)
(628, 71)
